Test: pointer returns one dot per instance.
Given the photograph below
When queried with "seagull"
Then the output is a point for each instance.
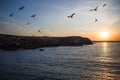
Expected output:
(21, 8)
(33, 16)
(11, 15)
(94, 9)
(71, 16)
(27, 23)
(104, 5)
(39, 31)
(96, 20)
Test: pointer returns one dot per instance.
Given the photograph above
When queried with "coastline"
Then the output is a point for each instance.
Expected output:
(15, 42)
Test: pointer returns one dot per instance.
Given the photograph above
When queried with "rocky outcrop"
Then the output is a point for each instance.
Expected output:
(12, 42)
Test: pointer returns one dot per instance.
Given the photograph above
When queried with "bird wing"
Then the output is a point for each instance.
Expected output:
(96, 20)
(73, 14)
(96, 7)
(33, 15)
(39, 31)
(104, 5)
(68, 16)
(27, 23)
(92, 9)
(11, 15)
(22, 7)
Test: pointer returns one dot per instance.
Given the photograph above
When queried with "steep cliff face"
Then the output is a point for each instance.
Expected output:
(17, 42)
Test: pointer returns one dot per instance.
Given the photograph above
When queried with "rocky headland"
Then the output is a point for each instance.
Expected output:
(15, 42)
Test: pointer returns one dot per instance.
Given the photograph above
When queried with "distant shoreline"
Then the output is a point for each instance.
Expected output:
(14, 42)
(105, 41)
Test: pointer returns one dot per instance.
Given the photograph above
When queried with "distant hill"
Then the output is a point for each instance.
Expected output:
(14, 42)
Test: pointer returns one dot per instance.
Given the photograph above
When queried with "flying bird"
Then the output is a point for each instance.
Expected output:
(94, 9)
(33, 16)
(21, 8)
(39, 31)
(96, 20)
(104, 5)
(11, 15)
(71, 16)
(27, 23)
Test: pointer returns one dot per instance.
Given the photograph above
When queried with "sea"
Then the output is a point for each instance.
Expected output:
(100, 61)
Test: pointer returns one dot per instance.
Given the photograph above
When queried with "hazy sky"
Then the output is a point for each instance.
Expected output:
(51, 18)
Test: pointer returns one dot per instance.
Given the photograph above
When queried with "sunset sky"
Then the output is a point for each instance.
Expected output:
(51, 18)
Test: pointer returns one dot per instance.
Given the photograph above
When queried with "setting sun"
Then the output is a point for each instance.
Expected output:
(104, 35)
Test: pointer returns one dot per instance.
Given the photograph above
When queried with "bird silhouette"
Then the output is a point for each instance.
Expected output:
(33, 16)
(94, 9)
(21, 8)
(71, 16)
(39, 31)
(27, 23)
(11, 15)
(104, 5)
(96, 20)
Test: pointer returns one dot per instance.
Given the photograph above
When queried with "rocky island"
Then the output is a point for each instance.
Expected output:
(15, 42)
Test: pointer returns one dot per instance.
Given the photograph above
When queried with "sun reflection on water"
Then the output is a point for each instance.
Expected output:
(105, 53)
(105, 49)
(105, 71)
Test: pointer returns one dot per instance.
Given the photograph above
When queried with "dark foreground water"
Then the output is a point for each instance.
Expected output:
(100, 61)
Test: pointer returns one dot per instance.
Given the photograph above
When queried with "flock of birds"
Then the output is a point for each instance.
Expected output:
(95, 9)
(70, 16)
(32, 16)
(21, 8)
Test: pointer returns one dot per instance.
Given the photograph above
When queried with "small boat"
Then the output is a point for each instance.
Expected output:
(41, 49)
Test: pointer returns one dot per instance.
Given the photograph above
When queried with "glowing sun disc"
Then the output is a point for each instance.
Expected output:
(104, 35)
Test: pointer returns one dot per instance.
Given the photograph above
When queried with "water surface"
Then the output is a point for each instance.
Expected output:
(100, 61)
